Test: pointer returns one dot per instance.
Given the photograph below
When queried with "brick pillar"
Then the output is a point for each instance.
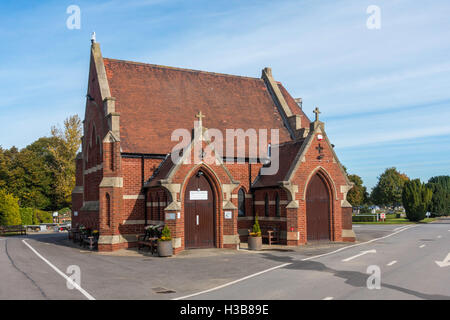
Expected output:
(293, 227)
(78, 190)
(347, 228)
(111, 197)
(230, 232)
(175, 221)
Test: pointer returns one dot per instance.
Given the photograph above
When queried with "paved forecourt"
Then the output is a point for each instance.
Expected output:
(408, 270)
(41, 266)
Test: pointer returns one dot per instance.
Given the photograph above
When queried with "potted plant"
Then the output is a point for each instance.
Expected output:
(255, 239)
(165, 243)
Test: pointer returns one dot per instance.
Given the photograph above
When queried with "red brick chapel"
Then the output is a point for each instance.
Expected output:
(126, 178)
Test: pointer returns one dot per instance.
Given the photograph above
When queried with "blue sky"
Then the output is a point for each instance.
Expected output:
(384, 94)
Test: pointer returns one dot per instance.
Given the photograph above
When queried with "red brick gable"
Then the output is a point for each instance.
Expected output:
(155, 100)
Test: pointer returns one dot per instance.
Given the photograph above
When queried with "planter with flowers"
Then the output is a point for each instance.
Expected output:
(165, 243)
(254, 238)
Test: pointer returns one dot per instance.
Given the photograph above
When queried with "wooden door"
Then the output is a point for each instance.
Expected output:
(199, 217)
(317, 210)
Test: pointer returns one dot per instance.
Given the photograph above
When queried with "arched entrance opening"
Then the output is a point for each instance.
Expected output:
(318, 209)
(199, 212)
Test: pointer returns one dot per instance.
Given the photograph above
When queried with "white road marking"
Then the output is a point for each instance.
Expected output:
(233, 282)
(422, 246)
(392, 263)
(444, 263)
(62, 274)
(400, 228)
(358, 244)
(439, 237)
(287, 264)
(359, 255)
(328, 298)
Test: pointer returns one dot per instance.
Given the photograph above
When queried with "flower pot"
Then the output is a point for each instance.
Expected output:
(254, 243)
(165, 248)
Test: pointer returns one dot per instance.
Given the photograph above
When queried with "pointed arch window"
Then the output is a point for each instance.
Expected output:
(159, 208)
(152, 210)
(108, 210)
(277, 205)
(241, 203)
(111, 155)
(163, 205)
(99, 150)
(266, 205)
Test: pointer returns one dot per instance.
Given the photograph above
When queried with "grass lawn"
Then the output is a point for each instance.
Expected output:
(398, 221)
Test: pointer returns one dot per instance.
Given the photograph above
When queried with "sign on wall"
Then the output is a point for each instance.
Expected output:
(198, 195)
(228, 214)
(170, 216)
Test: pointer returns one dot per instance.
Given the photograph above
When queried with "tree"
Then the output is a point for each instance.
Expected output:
(41, 216)
(64, 151)
(42, 175)
(9, 209)
(4, 176)
(357, 195)
(27, 215)
(388, 190)
(416, 199)
(440, 203)
(31, 177)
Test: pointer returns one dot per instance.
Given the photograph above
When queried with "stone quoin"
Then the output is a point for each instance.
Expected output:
(126, 177)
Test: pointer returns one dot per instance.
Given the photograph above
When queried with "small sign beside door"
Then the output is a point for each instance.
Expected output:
(170, 216)
(228, 214)
(198, 195)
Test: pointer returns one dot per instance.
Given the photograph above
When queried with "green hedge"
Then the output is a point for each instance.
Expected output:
(371, 218)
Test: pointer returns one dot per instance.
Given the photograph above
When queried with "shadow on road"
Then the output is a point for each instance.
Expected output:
(353, 278)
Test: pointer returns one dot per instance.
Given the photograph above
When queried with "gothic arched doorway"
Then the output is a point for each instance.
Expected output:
(318, 209)
(199, 212)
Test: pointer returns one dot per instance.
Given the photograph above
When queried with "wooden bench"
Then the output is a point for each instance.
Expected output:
(271, 234)
(150, 239)
(13, 229)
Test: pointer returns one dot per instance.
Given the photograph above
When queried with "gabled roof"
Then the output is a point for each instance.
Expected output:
(155, 100)
(287, 154)
(162, 172)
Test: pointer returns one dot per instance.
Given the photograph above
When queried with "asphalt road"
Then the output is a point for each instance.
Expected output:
(36, 267)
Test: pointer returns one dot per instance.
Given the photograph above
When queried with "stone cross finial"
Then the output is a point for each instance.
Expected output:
(200, 117)
(317, 112)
